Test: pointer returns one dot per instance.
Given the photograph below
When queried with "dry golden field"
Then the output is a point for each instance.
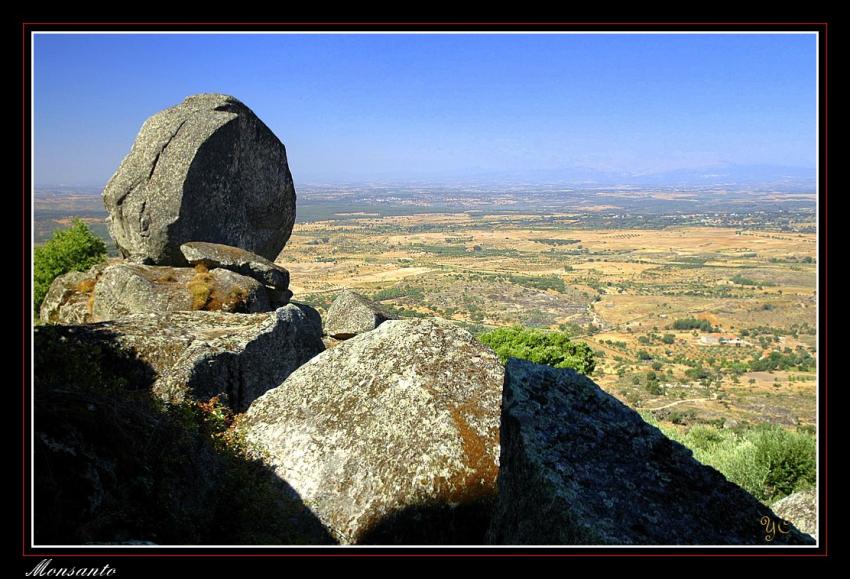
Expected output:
(620, 290)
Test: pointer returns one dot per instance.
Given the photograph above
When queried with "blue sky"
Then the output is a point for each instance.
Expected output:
(362, 107)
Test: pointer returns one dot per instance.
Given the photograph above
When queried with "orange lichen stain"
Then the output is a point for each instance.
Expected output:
(86, 286)
(478, 480)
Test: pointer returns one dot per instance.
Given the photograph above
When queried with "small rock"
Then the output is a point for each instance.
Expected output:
(351, 314)
(800, 509)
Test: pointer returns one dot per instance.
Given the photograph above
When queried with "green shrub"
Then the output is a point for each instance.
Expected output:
(768, 461)
(551, 348)
(654, 388)
(72, 249)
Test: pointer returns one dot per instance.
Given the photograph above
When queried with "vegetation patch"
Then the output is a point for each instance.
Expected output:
(693, 324)
(72, 249)
(200, 287)
(541, 347)
(768, 461)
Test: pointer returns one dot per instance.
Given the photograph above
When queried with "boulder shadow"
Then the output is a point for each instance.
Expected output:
(113, 464)
(433, 524)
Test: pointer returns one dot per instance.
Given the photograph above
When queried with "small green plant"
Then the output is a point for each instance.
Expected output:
(72, 249)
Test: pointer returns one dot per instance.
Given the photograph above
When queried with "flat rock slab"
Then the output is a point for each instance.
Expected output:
(125, 289)
(243, 262)
(580, 467)
(205, 170)
(203, 354)
(351, 314)
(392, 436)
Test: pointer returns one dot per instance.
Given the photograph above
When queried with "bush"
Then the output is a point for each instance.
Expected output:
(654, 388)
(72, 249)
(768, 461)
(551, 348)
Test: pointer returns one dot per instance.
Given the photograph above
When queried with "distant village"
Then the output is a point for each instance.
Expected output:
(722, 340)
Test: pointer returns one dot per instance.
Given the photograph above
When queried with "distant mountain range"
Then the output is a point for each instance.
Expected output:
(727, 177)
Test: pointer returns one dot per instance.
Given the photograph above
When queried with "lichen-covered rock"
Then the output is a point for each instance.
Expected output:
(204, 354)
(204, 170)
(69, 298)
(244, 262)
(800, 509)
(579, 467)
(126, 288)
(351, 314)
(392, 436)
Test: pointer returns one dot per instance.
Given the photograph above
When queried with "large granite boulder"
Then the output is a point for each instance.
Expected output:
(800, 509)
(392, 436)
(579, 467)
(126, 288)
(204, 354)
(216, 255)
(69, 300)
(351, 314)
(204, 170)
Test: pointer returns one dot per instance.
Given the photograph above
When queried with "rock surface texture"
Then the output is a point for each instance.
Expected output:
(351, 314)
(203, 354)
(205, 170)
(392, 436)
(579, 467)
(69, 299)
(800, 509)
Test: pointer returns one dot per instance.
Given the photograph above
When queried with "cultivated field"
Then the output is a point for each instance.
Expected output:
(620, 290)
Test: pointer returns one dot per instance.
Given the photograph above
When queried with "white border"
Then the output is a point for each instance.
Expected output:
(126, 548)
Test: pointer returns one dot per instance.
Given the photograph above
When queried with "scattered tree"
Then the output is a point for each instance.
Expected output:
(551, 348)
